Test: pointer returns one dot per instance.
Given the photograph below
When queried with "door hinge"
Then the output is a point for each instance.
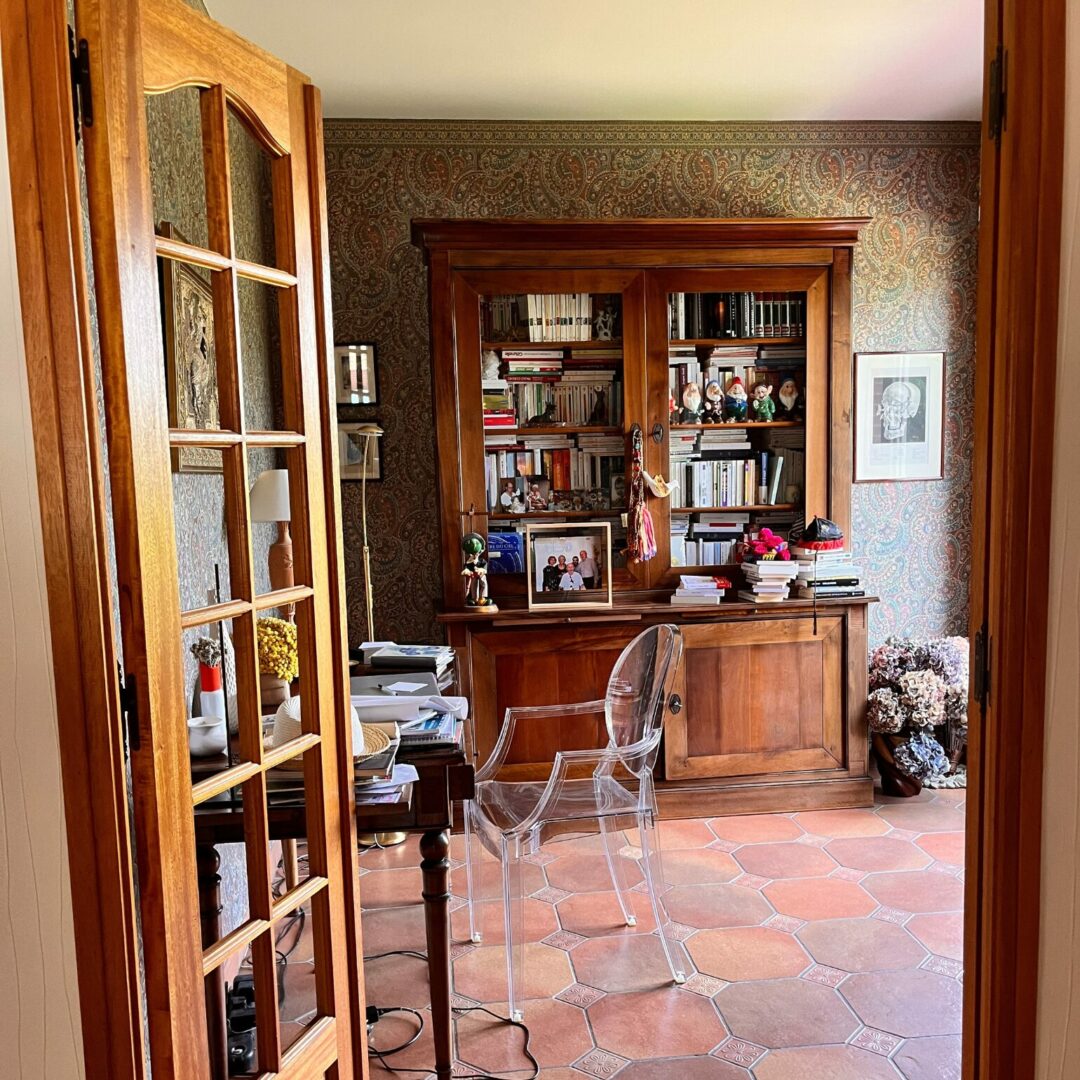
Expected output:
(129, 710)
(998, 94)
(82, 101)
(981, 672)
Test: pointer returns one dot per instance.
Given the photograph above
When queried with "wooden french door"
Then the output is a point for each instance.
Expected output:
(253, 107)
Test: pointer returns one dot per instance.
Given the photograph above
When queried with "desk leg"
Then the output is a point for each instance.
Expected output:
(435, 849)
(208, 862)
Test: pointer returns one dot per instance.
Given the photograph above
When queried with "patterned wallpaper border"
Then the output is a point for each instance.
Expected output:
(649, 134)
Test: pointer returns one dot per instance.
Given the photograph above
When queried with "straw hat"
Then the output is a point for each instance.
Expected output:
(367, 739)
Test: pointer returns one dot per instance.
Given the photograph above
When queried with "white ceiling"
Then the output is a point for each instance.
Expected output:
(628, 59)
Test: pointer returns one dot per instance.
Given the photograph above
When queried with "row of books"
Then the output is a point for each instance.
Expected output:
(746, 479)
(736, 315)
(582, 399)
(707, 539)
(501, 316)
(827, 574)
(579, 463)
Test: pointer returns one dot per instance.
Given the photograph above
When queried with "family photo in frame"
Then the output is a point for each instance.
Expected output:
(568, 565)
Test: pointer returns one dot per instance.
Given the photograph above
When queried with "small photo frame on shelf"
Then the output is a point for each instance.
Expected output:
(357, 374)
(537, 494)
(511, 497)
(568, 566)
(360, 457)
(899, 416)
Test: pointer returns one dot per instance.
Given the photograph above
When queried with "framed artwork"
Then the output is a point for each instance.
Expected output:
(187, 320)
(568, 566)
(360, 458)
(357, 374)
(899, 416)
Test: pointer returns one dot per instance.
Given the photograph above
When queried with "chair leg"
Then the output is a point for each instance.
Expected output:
(616, 868)
(514, 924)
(653, 869)
(470, 870)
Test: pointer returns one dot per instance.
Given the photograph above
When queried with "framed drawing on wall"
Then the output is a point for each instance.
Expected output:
(357, 374)
(359, 451)
(187, 320)
(899, 416)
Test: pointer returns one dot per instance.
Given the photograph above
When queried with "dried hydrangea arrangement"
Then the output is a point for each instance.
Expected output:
(917, 709)
(207, 651)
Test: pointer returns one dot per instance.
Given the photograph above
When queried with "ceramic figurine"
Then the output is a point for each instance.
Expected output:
(604, 325)
(691, 404)
(713, 409)
(789, 399)
(489, 365)
(735, 401)
(475, 573)
(763, 405)
(545, 418)
(599, 415)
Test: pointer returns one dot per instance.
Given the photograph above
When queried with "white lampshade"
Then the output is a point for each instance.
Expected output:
(270, 496)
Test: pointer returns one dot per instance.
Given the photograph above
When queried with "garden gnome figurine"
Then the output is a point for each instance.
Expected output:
(735, 401)
(763, 405)
(475, 573)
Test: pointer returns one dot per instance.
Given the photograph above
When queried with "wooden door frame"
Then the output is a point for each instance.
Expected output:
(1016, 345)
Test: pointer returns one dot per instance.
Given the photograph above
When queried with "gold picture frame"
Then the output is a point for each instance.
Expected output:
(187, 316)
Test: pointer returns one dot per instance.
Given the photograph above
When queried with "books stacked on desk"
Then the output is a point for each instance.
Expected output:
(700, 589)
(390, 656)
(431, 730)
(768, 580)
(825, 575)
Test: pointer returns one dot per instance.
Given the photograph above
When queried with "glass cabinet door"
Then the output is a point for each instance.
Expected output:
(550, 378)
(742, 371)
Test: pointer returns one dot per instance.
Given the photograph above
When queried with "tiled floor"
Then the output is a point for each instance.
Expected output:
(826, 945)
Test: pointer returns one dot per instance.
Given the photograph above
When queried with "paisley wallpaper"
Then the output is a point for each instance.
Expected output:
(914, 285)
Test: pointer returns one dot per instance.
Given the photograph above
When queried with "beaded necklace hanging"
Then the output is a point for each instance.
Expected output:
(640, 537)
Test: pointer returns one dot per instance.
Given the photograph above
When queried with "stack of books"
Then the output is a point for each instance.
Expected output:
(394, 657)
(768, 580)
(825, 575)
(699, 589)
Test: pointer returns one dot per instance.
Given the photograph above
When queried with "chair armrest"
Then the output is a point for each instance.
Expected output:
(494, 763)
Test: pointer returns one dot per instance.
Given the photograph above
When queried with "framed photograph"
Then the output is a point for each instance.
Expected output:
(187, 320)
(359, 450)
(511, 498)
(537, 493)
(357, 375)
(568, 566)
(899, 416)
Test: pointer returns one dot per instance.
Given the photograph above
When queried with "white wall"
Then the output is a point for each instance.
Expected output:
(1058, 1037)
(40, 1034)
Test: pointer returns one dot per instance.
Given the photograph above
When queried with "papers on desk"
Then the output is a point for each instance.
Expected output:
(407, 707)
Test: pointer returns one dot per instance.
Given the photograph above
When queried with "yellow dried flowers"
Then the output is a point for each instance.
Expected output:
(277, 648)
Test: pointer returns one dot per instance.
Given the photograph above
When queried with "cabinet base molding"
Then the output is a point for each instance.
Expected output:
(678, 799)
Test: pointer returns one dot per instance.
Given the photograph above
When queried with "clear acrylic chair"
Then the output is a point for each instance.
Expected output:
(508, 819)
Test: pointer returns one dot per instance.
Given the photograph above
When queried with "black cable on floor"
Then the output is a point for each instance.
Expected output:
(383, 1054)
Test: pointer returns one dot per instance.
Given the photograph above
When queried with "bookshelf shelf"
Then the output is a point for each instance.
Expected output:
(541, 515)
(499, 346)
(714, 342)
(745, 424)
(748, 509)
(554, 429)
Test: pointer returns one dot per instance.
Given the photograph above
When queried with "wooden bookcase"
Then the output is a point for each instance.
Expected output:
(773, 695)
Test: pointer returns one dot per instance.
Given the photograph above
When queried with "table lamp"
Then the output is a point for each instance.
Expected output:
(269, 501)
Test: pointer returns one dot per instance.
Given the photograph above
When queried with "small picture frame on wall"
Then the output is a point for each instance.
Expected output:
(356, 373)
(360, 457)
(899, 416)
(568, 566)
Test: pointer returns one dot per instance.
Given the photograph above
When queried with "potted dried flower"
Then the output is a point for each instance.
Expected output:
(279, 662)
(917, 713)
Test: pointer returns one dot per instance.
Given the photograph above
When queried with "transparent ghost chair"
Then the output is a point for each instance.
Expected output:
(508, 819)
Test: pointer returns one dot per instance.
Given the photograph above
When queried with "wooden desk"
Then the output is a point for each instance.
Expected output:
(425, 807)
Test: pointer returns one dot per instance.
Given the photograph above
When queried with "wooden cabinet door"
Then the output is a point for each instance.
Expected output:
(759, 698)
(245, 105)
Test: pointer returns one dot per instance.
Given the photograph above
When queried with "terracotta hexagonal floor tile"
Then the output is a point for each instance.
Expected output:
(539, 922)
(695, 1068)
(481, 973)
(394, 928)
(861, 945)
(842, 823)
(487, 880)
(663, 1023)
(947, 847)
(930, 1059)
(398, 980)
(392, 1031)
(834, 1062)
(747, 953)
(878, 853)
(916, 890)
(595, 914)
(906, 1003)
(924, 817)
(786, 1012)
(784, 860)
(559, 1036)
(819, 898)
(941, 934)
(391, 888)
(755, 828)
(622, 964)
(714, 906)
(699, 867)
(675, 835)
(587, 872)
